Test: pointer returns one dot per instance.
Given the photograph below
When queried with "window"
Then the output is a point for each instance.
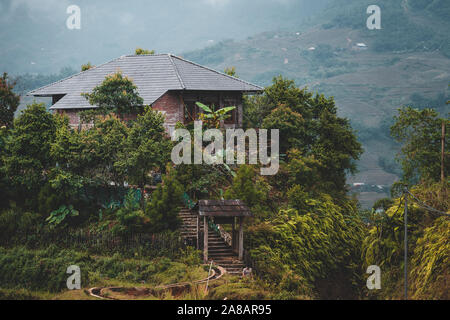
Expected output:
(190, 111)
(233, 113)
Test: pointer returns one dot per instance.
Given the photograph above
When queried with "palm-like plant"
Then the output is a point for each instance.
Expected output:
(211, 117)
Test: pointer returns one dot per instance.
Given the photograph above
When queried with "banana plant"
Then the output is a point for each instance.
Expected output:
(212, 117)
(59, 215)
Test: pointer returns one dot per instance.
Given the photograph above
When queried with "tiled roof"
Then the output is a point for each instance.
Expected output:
(153, 75)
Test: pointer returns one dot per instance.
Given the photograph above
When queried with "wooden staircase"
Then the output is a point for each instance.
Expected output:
(218, 250)
(189, 224)
(222, 254)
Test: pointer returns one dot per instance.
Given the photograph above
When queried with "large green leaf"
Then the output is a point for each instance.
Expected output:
(204, 107)
(225, 110)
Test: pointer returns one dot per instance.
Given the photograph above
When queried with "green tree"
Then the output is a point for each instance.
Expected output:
(291, 125)
(164, 205)
(91, 154)
(146, 148)
(247, 187)
(428, 250)
(419, 132)
(117, 94)
(27, 148)
(87, 66)
(310, 124)
(231, 71)
(9, 101)
(140, 51)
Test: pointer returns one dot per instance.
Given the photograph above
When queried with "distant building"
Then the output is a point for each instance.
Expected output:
(358, 184)
(168, 83)
(360, 46)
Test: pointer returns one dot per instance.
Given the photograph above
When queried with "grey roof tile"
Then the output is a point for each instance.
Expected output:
(152, 74)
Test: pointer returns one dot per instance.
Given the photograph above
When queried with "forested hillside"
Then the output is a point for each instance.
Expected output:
(405, 63)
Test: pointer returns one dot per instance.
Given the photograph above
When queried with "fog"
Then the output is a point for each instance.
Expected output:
(34, 37)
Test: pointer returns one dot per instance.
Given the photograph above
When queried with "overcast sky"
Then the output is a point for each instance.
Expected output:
(34, 32)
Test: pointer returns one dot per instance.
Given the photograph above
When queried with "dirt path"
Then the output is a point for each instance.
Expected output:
(176, 288)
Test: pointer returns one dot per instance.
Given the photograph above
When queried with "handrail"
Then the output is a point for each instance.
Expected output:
(225, 235)
(221, 232)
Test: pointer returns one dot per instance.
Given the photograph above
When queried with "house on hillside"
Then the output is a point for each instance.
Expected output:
(168, 83)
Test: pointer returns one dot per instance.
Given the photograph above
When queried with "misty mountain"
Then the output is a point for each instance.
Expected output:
(322, 44)
(370, 73)
(35, 38)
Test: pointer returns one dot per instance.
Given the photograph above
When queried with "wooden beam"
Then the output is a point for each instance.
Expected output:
(443, 152)
(205, 239)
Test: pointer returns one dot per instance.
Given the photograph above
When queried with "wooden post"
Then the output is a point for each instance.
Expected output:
(405, 218)
(443, 151)
(205, 239)
(233, 235)
(241, 238)
(198, 232)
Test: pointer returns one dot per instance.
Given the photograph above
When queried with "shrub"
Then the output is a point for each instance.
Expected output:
(298, 249)
(247, 187)
(163, 207)
(130, 217)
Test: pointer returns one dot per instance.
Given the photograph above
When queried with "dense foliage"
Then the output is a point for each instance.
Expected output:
(420, 133)
(310, 124)
(164, 205)
(307, 239)
(428, 234)
(116, 94)
(9, 101)
(313, 252)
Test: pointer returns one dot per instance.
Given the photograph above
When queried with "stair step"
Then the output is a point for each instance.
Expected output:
(226, 261)
(218, 260)
(222, 249)
(218, 255)
(237, 268)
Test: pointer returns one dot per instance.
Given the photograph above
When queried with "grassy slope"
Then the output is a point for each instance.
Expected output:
(41, 274)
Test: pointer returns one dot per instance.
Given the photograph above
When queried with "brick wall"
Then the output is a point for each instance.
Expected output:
(171, 105)
(72, 114)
